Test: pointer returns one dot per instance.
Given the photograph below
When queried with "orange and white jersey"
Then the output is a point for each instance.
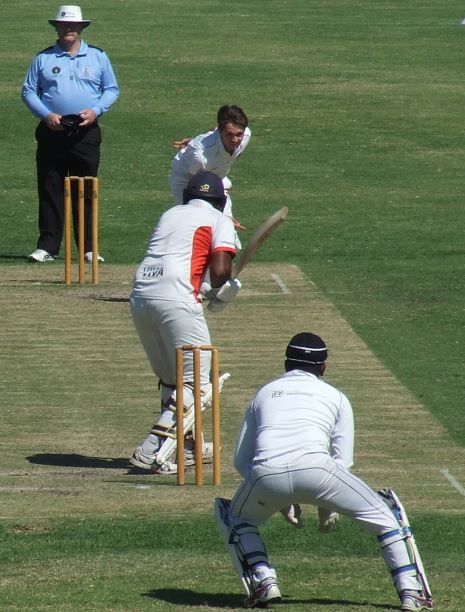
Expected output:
(179, 252)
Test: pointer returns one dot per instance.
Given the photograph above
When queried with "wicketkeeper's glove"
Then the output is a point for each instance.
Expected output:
(328, 519)
(293, 515)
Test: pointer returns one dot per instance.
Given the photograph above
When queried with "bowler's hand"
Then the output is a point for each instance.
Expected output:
(88, 117)
(238, 225)
(53, 122)
(180, 144)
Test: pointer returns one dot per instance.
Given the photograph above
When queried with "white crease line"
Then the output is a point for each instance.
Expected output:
(247, 293)
(278, 280)
(453, 481)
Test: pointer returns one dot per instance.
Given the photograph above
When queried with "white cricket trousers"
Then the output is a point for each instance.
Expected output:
(164, 325)
(319, 481)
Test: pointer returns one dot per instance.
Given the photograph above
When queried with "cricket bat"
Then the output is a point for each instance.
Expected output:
(261, 234)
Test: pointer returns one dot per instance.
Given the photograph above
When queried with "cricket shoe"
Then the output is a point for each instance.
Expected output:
(207, 454)
(189, 459)
(165, 468)
(41, 256)
(264, 592)
(413, 600)
(89, 257)
(140, 460)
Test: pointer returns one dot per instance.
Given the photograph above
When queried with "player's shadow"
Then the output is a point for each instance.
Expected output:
(11, 257)
(186, 597)
(79, 461)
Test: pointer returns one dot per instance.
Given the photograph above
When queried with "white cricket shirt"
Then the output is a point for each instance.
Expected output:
(293, 416)
(204, 152)
(179, 252)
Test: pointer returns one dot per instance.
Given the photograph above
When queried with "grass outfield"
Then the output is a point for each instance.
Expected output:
(81, 532)
(356, 112)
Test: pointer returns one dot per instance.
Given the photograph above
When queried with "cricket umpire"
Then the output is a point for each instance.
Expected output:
(68, 86)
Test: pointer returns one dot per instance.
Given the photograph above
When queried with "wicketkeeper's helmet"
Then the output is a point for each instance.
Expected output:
(306, 349)
(206, 186)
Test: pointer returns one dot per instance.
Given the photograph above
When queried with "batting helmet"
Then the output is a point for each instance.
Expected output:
(206, 186)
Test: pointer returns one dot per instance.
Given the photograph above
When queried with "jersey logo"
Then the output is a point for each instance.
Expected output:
(152, 271)
(56, 70)
(277, 394)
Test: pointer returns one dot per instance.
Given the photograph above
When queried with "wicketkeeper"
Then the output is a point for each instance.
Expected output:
(296, 447)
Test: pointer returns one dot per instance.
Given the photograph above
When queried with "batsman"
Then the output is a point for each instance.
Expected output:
(192, 241)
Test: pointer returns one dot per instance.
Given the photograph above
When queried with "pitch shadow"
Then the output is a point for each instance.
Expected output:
(40, 281)
(112, 299)
(74, 460)
(14, 257)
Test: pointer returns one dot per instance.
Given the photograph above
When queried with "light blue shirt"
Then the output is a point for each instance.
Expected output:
(59, 83)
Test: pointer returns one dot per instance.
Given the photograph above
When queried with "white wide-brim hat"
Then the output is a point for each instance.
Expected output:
(69, 14)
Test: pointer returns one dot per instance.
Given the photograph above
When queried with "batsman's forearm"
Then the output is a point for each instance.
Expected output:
(220, 269)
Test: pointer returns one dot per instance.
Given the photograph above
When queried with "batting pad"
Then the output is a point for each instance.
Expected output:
(169, 445)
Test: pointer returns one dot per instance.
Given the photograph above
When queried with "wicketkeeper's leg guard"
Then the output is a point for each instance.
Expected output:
(400, 551)
(244, 544)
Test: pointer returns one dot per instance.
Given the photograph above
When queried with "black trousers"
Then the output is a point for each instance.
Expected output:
(60, 154)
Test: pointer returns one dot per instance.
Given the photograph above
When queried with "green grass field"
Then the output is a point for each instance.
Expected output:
(356, 113)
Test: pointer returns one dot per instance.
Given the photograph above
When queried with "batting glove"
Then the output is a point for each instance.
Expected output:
(293, 515)
(220, 298)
